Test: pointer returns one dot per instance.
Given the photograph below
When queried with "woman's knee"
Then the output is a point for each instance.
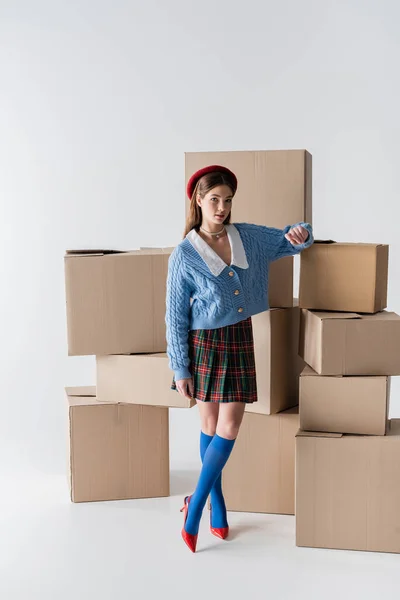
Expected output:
(208, 417)
(229, 420)
(209, 426)
(228, 429)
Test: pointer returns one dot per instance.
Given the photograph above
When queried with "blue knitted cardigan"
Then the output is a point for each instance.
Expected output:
(203, 292)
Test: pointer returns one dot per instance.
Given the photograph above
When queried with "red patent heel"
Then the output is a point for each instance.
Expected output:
(220, 532)
(189, 539)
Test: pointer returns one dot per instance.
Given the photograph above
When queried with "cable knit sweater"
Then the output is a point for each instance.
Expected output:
(203, 292)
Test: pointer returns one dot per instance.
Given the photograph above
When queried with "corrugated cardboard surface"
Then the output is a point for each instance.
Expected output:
(280, 284)
(278, 365)
(344, 277)
(344, 404)
(138, 379)
(348, 491)
(116, 302)
(334, 343)
(274, 186)
(116, 451)
(259, 476)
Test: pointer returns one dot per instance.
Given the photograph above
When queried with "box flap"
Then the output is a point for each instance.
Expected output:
(81, 391)
(162, 250)
(382, 315)
(335, 315)
(92, 252)
(81, 396)
(162, 355)
(149, 251)
(325, 434)
(360, 244)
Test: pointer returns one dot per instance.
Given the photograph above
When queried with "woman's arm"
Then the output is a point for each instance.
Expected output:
(276, 243)
(177, 316)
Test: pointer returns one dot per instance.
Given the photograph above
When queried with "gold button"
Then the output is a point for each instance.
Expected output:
(230, 273)
(236, 292)
(240, 309)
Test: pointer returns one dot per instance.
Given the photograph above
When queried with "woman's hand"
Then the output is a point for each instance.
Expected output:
(297, 235)
(185, 387)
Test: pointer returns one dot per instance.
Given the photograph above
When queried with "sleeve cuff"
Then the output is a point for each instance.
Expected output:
(309, 241)
(182, 373)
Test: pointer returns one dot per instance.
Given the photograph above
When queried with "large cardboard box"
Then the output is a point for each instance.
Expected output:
(116, 451)
(116, 301)
(278, 365)
(344, 404)
(280, 283)
(335, 343)
(347, 277)
(138, 379)
(274, 186)
(259, 476)
(348, 490)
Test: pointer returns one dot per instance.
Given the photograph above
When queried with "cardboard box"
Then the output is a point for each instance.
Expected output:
(278, 365)
(348, 490)
(116, 451)
(274, 186)
(344, 404)
(280, 283)
(259, 475)
(138, 379)
(116, 301)
(347, 277)
(335, 343)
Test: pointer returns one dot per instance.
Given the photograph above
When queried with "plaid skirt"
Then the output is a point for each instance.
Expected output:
(222, 363)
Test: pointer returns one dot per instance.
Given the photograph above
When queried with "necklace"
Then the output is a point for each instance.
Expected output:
(217, 233)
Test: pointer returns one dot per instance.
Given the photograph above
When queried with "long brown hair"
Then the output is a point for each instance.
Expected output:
(203, 186)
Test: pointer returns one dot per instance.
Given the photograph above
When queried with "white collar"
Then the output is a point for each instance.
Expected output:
(211, 258)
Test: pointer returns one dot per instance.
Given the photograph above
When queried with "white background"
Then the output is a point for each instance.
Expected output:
(100, 100)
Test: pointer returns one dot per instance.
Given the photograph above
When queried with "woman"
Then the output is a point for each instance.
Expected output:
(217, 279)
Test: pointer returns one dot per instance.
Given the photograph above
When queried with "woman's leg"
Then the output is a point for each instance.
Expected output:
(214, 461)
(229, 419)
(209, 417)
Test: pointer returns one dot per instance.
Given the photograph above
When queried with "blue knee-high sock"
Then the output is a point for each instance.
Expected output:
(218, 507)
(214, 461)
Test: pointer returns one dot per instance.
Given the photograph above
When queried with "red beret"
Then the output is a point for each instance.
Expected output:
(211, 169)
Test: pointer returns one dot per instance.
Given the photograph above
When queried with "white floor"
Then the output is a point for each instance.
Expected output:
(51, 548)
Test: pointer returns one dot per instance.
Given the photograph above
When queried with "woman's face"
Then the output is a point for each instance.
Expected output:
(216, 204)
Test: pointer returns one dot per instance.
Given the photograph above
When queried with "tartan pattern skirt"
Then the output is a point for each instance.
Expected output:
(222, 363)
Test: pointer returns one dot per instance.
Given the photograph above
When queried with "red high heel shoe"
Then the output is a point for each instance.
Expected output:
(189, 539)
(220, 532)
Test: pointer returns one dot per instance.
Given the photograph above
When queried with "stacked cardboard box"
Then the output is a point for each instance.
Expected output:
(119, 431)
(275, 186)
(116, 451)
(275, 190)
(347, 450)
(116, 309)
